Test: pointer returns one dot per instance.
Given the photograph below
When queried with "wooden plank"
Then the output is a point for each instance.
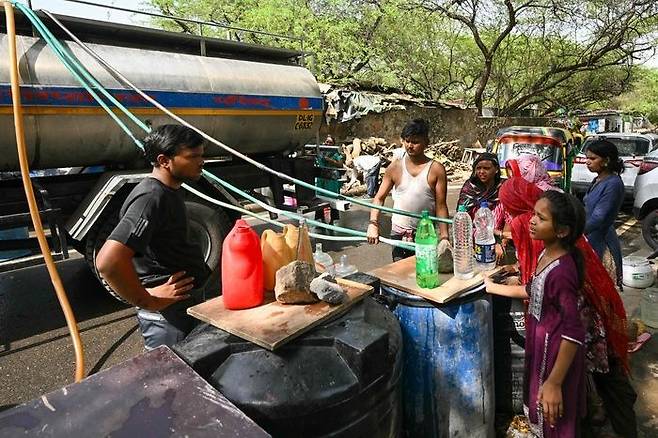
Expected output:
(274, 324)
(402, 275)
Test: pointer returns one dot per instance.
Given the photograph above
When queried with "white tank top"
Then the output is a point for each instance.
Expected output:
(413, 194)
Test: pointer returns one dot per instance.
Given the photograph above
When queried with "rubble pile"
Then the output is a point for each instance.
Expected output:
(448, 153)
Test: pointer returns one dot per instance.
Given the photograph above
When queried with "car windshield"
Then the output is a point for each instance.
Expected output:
(550, 155)
(626, 146)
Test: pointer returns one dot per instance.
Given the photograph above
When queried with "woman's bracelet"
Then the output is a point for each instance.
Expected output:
(375, 223)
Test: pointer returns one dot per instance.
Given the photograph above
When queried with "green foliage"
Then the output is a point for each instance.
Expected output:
(539, 54)
(643, 97)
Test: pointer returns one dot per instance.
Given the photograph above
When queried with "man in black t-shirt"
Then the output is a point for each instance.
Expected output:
(148, 259)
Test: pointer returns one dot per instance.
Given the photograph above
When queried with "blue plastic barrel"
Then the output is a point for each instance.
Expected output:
(447, 377)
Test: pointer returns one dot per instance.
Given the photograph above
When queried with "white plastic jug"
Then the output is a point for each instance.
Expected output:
(637, 272)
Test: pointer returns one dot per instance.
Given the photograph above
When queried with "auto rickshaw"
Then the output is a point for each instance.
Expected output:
(555, 146)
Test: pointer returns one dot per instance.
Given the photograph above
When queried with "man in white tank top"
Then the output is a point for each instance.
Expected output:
(420, 184)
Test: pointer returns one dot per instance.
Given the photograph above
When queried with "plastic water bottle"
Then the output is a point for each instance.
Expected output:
(427, 262)
(485, 242)
(343, 269)
(462, 238)
(322, 258)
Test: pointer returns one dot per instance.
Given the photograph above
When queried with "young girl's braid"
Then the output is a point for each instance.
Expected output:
(567, 211)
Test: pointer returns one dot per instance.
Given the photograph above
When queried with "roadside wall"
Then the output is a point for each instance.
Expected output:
(446, 124)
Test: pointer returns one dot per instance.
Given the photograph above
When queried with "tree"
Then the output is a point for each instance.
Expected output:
(337, 33)
(568, 38)
(376, 43)
(509, 54)
(643, 97)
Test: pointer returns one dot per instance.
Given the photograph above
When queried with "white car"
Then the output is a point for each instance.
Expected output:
(632, 148)
(645, 205)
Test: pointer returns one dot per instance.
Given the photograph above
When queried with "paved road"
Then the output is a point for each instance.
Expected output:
(36, 355)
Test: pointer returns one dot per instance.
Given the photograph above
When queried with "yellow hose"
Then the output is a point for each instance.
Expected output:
(29, 193)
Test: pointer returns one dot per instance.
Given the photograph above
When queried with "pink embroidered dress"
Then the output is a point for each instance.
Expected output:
(553, 315)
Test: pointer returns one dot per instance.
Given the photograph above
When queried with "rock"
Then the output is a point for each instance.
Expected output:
(293, 283)
(326, 288)
(444, 251)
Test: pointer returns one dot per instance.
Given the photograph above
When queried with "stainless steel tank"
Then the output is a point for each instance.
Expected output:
(255, 107)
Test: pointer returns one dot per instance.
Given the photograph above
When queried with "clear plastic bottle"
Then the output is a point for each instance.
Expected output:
(485, 242)
(343, 269)
(427, 262)
(462, 238)
(322, 258)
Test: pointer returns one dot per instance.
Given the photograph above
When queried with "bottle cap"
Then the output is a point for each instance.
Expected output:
(462, 208)
(484, 204)
(425, 214)
(242, 226)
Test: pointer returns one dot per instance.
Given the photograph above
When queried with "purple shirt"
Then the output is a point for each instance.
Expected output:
(553, 316)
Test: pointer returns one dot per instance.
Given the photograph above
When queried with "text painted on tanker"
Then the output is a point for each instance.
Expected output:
(304, 121)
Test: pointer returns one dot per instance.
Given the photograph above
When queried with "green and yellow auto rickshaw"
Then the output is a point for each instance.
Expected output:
(555, 146)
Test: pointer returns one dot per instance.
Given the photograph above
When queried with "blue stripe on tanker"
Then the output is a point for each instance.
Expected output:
(32, 95)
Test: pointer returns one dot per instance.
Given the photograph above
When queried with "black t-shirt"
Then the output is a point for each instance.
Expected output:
(153, 223)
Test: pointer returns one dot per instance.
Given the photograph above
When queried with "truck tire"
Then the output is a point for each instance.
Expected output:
(95, 239)
(650, 229)
(207, 226)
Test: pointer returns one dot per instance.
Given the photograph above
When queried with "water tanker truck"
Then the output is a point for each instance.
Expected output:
(259, 100)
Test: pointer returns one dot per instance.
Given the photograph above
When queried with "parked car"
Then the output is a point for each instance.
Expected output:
(645, 204)
(632, 148)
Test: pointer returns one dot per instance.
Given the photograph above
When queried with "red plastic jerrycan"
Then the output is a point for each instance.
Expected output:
(242, 268)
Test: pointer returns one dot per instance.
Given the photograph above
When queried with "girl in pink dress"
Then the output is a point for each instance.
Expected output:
(554, 392)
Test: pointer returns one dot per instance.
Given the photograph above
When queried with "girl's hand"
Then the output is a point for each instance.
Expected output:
(500, 253)
(488, 282)
(550, 397)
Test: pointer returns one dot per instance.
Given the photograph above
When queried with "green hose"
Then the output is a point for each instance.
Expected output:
(359, 236)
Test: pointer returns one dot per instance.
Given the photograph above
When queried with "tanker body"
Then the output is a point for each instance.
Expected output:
(256, 99)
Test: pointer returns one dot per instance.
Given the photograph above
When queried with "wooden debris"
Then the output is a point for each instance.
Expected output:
(448, 153)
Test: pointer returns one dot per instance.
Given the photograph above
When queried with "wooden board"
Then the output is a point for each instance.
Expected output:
(274, 324)
(402, 275)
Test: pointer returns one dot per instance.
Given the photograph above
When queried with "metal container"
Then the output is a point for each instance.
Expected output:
(447, 380)
(255, 107)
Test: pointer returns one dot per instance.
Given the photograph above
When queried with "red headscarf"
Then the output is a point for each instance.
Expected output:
(518, 197)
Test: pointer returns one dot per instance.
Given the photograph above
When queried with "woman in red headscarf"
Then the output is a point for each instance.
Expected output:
(602, 308)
